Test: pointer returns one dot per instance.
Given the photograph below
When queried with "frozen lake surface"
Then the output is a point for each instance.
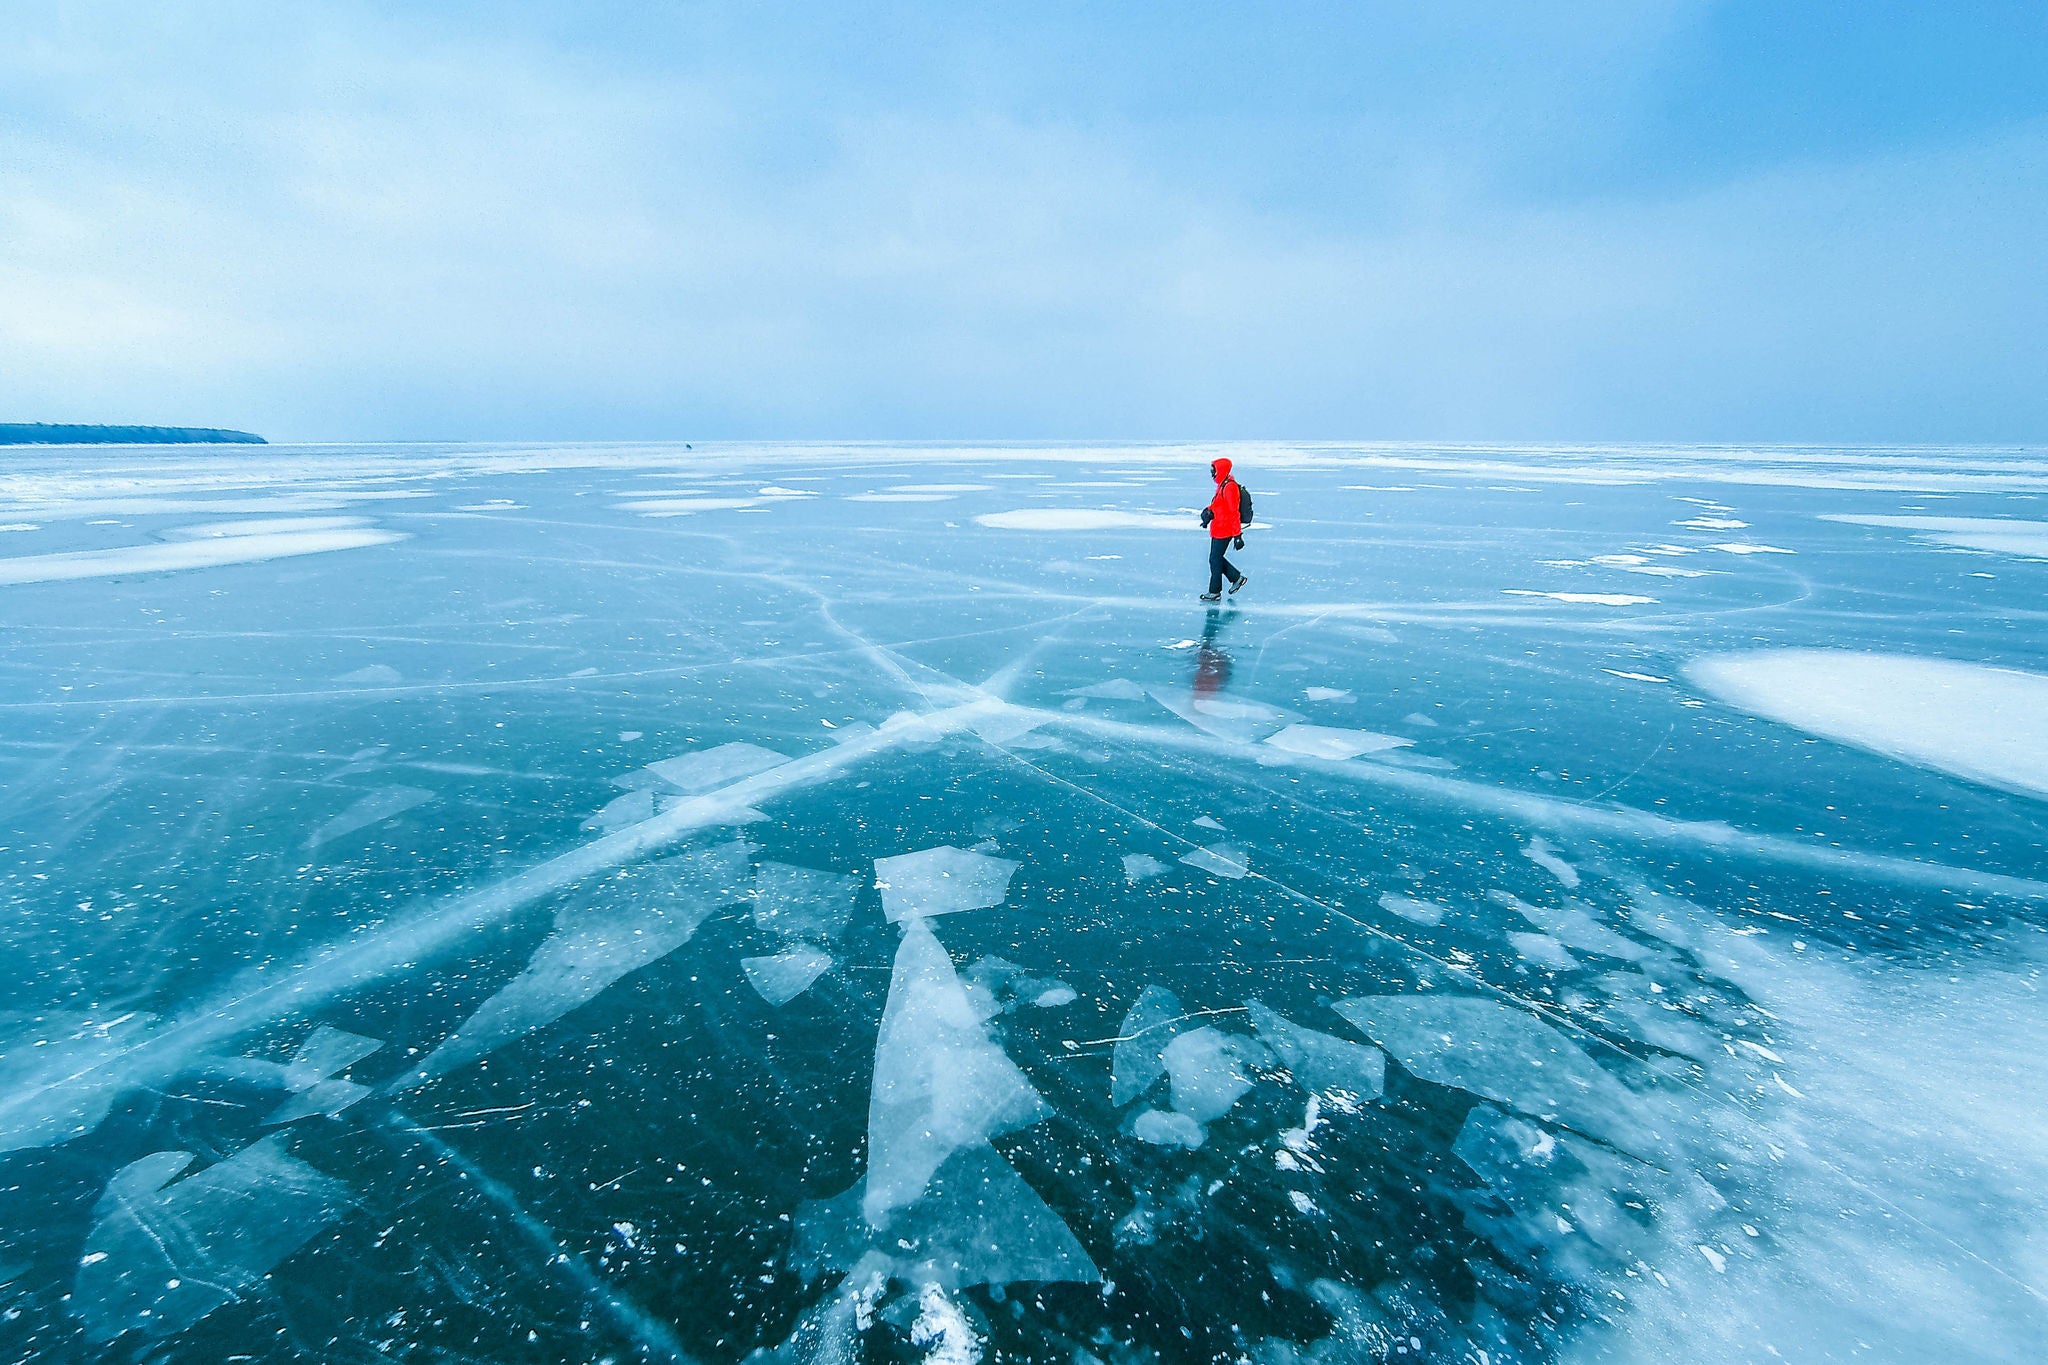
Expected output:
(854, 903)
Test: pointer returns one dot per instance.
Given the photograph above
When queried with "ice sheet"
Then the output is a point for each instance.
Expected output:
(804, 902)
(1321, 741)
(161, 1256)
(1504, 1053)
(941, 881)
(1807, 968)
(618, 925)
(784, 976)
(1219, 860)
(1209, 1071)
(940, 1085)
(1321, 1061)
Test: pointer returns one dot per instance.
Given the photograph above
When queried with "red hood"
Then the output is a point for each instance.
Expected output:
(1219, 470)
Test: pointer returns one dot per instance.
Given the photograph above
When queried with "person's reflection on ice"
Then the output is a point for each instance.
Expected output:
(1212, 661)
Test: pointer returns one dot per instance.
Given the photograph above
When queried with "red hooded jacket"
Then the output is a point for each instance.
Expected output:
(1224, 520)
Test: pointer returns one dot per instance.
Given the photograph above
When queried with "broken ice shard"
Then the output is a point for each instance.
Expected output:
(1136, 1064)
(1504, 1053)
(618, 925)
(1574, 926)
(1220, 860)
(803, 902)
(373, 809)
(940, 1083)
(977, 1222)
(1139, 866)
(784, 976)
(717, 767)
(1323, 741)
(1321, 1061)
(1165, 1128)
(159, 1258)
(941, 881)
(1209, 1071)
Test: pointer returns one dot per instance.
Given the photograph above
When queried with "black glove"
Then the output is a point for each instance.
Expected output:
(1206, 516)
(1239, 543)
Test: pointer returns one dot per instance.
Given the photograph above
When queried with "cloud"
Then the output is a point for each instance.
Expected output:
(344, 222)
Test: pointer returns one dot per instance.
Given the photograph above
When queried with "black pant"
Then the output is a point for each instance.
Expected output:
(1219, 567)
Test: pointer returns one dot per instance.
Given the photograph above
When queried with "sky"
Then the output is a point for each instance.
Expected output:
(1636, 220)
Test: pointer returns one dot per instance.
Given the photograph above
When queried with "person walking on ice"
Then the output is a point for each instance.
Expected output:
(1225, 517)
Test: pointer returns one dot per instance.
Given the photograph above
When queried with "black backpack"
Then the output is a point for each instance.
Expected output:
(1244, 505)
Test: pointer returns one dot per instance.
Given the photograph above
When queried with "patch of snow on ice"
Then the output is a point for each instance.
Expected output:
(1594, 599)
(187, 554)
(1082, 519)
(1539, 852)
(1974, 721)
(2025, 539)
(1411, 909)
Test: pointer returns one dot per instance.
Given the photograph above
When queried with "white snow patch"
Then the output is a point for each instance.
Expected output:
(1411, 909)
(1974, 721)
(1539, 852)
(1594, 599)
(1083, 519)
(187, 554)
(2025, 539)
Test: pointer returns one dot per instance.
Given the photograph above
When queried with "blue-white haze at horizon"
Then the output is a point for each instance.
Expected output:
(1676, 220)
(832, 902)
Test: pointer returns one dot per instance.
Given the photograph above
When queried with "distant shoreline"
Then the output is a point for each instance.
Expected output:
(66, 433)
